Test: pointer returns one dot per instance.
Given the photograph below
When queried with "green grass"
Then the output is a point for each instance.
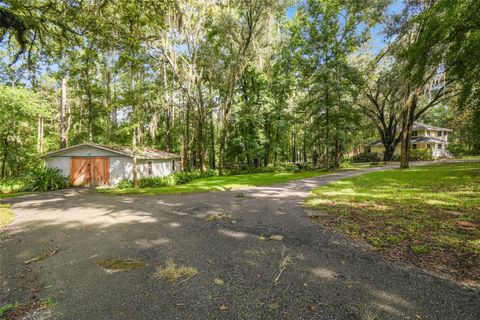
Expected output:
(475, 158)
(6, 215)
(11, 195)
(429, 215)
(221, 183)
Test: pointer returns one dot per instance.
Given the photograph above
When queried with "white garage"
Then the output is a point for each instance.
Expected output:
(94, 164)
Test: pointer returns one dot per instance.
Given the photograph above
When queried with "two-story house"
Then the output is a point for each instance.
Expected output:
(424, 136)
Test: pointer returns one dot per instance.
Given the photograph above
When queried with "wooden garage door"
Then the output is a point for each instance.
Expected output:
(89, 171)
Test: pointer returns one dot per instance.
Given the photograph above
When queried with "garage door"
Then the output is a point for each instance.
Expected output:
(89, 172)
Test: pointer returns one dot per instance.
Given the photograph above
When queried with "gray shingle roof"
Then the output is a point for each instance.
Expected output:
(421, 126)
(141, 152)
(426, 140)
(412, 140)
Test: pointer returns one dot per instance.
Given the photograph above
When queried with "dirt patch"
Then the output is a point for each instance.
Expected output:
(466, 225)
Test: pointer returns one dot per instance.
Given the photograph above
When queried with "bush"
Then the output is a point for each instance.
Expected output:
(12, 184)
(186, 176)
(125, 184)
(278, 167)
(368, 157)
(152, 182)
(421, 154)
(45, 179)
(458, 149)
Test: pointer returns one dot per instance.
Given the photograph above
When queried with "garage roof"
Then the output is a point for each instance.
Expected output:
(141, 152)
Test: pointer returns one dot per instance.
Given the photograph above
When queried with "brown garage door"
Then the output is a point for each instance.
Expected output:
(89, 171)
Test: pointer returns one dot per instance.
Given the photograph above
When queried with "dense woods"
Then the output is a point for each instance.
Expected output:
(247, 82)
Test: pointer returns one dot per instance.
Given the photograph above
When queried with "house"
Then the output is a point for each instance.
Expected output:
(423, 137)
(95, 164)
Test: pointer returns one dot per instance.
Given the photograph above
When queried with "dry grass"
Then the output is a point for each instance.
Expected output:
(174, 273)
(41, 257)
(283, 264)
(366, 313)
(114, 264)
(276, 237)
(218, 216)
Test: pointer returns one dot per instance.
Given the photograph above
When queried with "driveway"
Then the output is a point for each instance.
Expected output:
(328, 277)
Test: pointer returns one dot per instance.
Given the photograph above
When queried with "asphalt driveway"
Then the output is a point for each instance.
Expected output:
(328, 277)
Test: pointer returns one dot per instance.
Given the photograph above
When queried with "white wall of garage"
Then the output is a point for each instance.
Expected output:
(121, 167)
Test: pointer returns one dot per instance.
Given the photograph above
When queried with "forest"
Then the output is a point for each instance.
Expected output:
(225, 83)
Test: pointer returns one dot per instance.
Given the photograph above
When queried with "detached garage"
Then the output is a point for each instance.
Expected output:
(94, 164)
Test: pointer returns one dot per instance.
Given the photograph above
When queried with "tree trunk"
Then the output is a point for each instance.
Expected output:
(90, 114)
(200, 126)
(186, 138)
(63, 115)
(107, 96)
(212, 142)
(167, 109)
(294, 139)
(40, 135)
(134, 160)
(405, 140)
(5, 154)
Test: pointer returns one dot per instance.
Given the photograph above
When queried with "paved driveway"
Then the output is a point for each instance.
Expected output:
(328, 277)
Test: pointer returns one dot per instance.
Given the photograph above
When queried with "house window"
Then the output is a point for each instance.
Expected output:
(414, 146)
(440, 146)
(414, 133)
(173, 165)
(150, 168)
(368, 149)
(439, 133)
(428, 133)
(429, 146)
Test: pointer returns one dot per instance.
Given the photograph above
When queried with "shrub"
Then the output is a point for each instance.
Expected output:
(125, 184)
(186, 176)
(45, 179)
(278, 167)
(13, 184)
(368, 157)
(457, 149)
(421, 154)
(151, 182)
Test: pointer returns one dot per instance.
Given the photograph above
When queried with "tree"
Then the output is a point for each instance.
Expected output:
(324, 34)
(19, 110)
(420, 91)
(449, 37)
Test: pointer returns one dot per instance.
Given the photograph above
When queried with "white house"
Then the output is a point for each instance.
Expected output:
(95, 164)
(423, 136)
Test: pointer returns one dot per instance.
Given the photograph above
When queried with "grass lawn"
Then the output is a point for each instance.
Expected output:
(15, 194)
(222, 183)
(6, 215)
(428, 216)
(475, 158)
